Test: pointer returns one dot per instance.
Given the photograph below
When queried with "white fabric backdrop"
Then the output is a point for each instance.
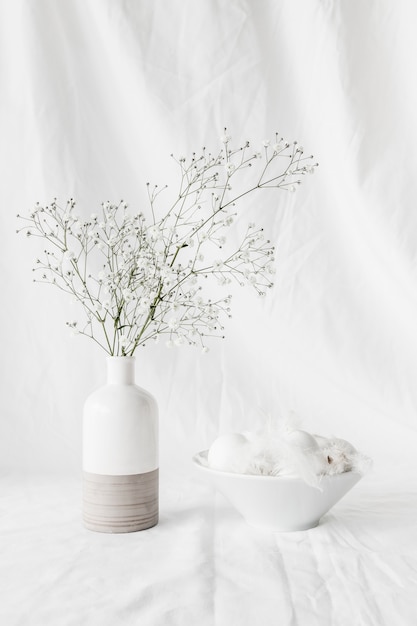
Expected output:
(96, 94)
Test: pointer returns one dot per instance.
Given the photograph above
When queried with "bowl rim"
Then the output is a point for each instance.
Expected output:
(197, 458)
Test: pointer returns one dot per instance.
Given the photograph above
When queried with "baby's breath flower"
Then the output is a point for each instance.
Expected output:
(128, 295)
(155, 233)
(138, 276)
(173, 323)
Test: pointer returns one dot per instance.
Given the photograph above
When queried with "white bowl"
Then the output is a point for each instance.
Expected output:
(275, 503)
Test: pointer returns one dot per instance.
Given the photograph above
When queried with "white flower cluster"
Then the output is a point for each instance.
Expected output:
(138, 278)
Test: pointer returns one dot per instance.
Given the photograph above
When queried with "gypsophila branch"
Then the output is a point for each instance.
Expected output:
(137, 280)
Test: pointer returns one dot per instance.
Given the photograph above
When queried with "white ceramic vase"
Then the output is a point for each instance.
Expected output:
(120, 453)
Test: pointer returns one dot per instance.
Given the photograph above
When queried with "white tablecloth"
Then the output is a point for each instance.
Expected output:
(203, 565)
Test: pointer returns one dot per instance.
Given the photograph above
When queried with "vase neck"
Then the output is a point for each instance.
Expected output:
(120, 370)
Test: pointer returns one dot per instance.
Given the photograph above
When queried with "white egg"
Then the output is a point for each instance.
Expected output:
(230, 453)
(302, 439)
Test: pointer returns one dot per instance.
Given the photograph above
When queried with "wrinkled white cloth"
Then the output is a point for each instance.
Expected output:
(203, 564)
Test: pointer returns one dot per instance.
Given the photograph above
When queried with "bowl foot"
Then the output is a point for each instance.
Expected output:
(290, 529)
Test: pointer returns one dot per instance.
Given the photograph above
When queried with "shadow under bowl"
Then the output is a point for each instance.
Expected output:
(275, 503)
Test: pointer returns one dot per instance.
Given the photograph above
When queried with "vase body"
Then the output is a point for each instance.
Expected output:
(120, 453)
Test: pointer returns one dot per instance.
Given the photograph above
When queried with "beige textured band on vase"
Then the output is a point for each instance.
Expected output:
(120, 504)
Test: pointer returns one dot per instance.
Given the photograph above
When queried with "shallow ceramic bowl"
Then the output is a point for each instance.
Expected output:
(275, 503)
